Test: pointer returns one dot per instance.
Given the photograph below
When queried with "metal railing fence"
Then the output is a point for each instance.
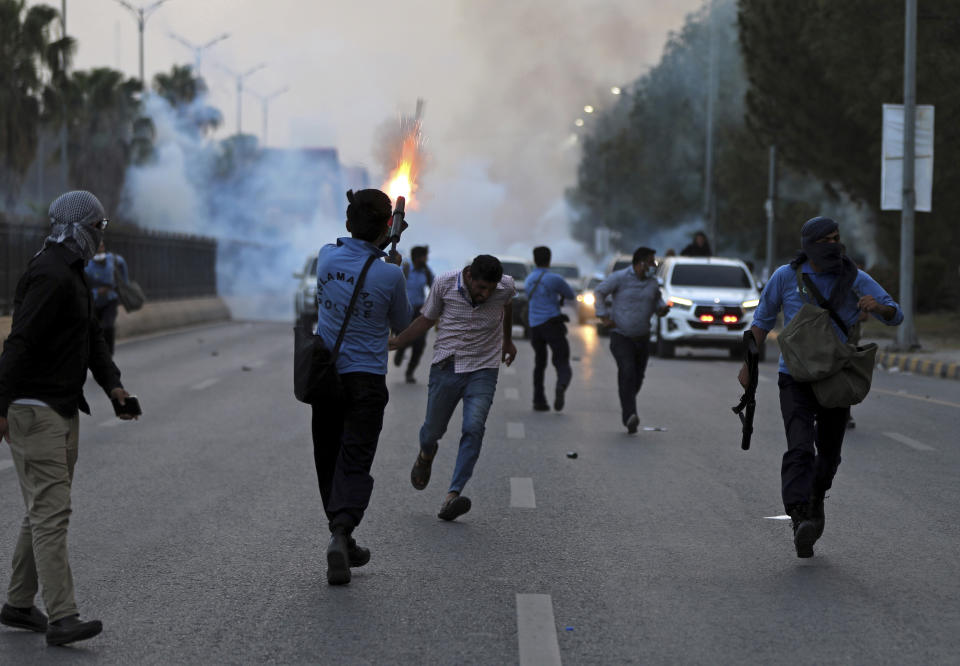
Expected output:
(165, 265)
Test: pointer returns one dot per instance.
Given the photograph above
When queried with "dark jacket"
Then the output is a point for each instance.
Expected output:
(55, 337)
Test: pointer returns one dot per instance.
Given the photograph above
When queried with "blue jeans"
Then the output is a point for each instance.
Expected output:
(445, 390)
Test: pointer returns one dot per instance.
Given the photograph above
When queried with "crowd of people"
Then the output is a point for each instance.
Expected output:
(66, 306)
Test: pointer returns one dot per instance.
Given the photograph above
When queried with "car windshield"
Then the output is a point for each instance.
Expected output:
(514, 269)
(620, 265)
(566, 271)
(707, 275)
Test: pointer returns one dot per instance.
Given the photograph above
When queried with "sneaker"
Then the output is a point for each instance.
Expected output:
(632, 423)
(338, 559)
(23, 618)
(558, 398)
(804, 530)
(454, 507)
(541, 406)
(72, 629)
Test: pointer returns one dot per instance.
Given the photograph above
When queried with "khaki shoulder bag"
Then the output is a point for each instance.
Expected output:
(840, 373)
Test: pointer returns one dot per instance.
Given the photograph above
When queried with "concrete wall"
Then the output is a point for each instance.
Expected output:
(160, 316)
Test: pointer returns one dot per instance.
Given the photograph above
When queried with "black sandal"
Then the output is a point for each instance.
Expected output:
(420, 474)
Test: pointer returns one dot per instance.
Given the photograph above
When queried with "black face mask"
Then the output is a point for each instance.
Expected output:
(827, 256)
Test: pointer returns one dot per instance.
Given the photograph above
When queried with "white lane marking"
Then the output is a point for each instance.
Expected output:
(765, 380)
(537, 630)
(205, 384)
(509, 370)
(903, 394)
(254, 364)
(776, 517)
(112, 423)
(515, 430)
(4, 464)
(908, 441)
(521, 493)
(512, 393)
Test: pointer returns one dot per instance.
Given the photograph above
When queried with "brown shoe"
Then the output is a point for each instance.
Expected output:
(456, 506)
(420, 474)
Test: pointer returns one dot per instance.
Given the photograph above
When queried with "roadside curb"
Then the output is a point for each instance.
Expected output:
(929, 367)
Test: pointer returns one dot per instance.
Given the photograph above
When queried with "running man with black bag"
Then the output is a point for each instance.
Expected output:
(546, 292)
(346, 430)
(815, 431)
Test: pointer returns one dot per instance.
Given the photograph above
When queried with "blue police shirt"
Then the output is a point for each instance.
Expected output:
(782, 291)
(417, 284)
(545, 300)
(102, 275)
(381, 304)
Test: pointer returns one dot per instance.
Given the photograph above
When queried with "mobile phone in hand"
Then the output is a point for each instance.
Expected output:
(131, 406)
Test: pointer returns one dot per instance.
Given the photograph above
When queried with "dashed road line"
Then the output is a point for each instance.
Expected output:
(511, 393)
(205, 384)
(923, 398)
(521, 493)
(112, 423)
(515, 430)
(780, 517)
(908, 441)
(537, 630)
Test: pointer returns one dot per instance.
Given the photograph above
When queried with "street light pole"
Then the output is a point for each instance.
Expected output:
(141, 14)
(709, 210)
(240, 77)
(771, 212)
(906, 333)
(63, 122)
(265, 106)
(198, 49)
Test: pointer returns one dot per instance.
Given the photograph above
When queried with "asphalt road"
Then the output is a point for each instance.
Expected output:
(197, 534)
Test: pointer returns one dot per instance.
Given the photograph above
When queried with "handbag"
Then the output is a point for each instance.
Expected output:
(840, 373)
(129, 294)
(315, 376)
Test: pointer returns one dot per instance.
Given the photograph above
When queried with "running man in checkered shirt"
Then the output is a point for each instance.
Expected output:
(473, 313)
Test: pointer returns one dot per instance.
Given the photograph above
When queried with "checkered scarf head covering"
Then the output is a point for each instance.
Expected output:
(72, 216)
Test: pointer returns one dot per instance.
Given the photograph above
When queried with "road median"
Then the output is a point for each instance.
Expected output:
(159, 316)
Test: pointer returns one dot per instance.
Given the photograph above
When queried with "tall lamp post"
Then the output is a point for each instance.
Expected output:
(198, 49)
(265, 106)
(906, 333)
(141, 14)
(240, 76)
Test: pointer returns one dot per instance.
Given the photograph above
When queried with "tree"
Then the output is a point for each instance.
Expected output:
(101, 108)
(819, 73)
(186, 94)
(27, 53)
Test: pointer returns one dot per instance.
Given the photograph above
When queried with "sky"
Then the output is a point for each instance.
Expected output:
(503, 82)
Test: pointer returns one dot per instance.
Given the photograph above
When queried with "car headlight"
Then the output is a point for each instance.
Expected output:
(589, 298)
(682, 302)
(751, 304)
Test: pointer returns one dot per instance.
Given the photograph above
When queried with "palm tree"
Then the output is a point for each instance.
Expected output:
(27, 54)
(182, 89)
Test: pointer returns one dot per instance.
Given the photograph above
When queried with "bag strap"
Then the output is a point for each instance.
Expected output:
(534, 287)
(353, 301)
(821, 301)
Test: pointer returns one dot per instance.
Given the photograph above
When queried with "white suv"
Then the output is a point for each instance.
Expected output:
(713, 301)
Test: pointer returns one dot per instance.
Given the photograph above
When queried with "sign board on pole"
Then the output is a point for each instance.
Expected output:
(891, 167)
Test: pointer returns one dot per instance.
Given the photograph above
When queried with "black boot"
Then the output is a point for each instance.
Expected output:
(338, 558)
(357, 555)
(816, 514)
(559, 397)
(804, 529)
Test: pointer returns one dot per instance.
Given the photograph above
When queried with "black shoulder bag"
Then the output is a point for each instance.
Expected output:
(315, 376)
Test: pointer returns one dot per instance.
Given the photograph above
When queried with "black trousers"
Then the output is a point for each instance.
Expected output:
(631, 355)
(416, 348)
(107, 316)
(552, 334)
(814, 438)
(345, 436)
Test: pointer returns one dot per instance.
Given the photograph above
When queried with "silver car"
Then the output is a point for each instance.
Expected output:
(305, 299)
